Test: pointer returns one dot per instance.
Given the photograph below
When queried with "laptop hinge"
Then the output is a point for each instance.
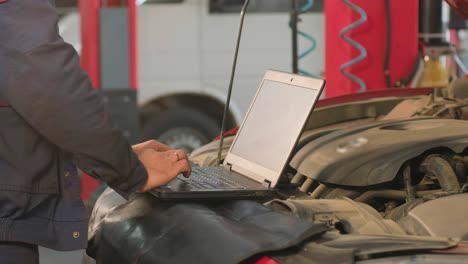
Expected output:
(228, 166)
(266, 183)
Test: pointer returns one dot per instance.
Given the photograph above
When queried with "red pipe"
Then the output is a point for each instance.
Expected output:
(89, 11)
(133, 45)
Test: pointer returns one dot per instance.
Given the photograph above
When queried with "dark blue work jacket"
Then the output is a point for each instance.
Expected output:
(51, 121)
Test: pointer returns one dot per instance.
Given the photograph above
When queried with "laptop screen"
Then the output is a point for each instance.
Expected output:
(274, 123)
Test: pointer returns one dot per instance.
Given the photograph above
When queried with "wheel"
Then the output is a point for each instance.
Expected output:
(181, 128)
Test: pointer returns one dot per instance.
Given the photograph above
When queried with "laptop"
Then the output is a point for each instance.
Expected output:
(262, 147)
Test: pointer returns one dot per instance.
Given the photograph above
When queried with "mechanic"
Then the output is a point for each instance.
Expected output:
(52, 121)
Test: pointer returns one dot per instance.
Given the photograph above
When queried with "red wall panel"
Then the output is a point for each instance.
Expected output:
(372, 35)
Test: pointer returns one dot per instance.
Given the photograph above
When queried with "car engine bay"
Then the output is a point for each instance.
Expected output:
(397, 167)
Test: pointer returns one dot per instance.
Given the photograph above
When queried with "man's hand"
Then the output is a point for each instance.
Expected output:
(152, 144)
(163, 167)
(162, 163)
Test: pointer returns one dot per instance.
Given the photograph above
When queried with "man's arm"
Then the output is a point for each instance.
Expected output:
(41, 78)
(49, 90)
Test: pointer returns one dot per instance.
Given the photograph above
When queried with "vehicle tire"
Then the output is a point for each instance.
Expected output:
(181, 128)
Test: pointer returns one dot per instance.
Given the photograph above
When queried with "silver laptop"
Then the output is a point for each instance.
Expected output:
(263, 146)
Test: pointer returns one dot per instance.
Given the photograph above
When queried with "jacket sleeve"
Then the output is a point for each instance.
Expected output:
(47, 88)
(41, 78)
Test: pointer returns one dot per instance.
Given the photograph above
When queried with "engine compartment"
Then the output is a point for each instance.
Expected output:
(381, 174)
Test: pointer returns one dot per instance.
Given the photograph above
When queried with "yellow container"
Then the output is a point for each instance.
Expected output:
(434, 74)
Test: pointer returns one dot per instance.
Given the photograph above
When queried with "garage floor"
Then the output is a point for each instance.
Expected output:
(48, 256)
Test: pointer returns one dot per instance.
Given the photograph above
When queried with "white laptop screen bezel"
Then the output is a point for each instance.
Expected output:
(253, 170)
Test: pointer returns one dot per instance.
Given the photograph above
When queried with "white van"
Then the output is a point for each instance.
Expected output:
(186, 49)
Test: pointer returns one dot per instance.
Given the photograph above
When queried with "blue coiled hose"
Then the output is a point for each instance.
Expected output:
(308, 6)
(363, 51)
(313, 42)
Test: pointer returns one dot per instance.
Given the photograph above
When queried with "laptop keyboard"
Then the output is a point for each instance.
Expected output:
(211, 178)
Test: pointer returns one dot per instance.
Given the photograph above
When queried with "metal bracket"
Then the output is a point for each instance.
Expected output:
(122, 104)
